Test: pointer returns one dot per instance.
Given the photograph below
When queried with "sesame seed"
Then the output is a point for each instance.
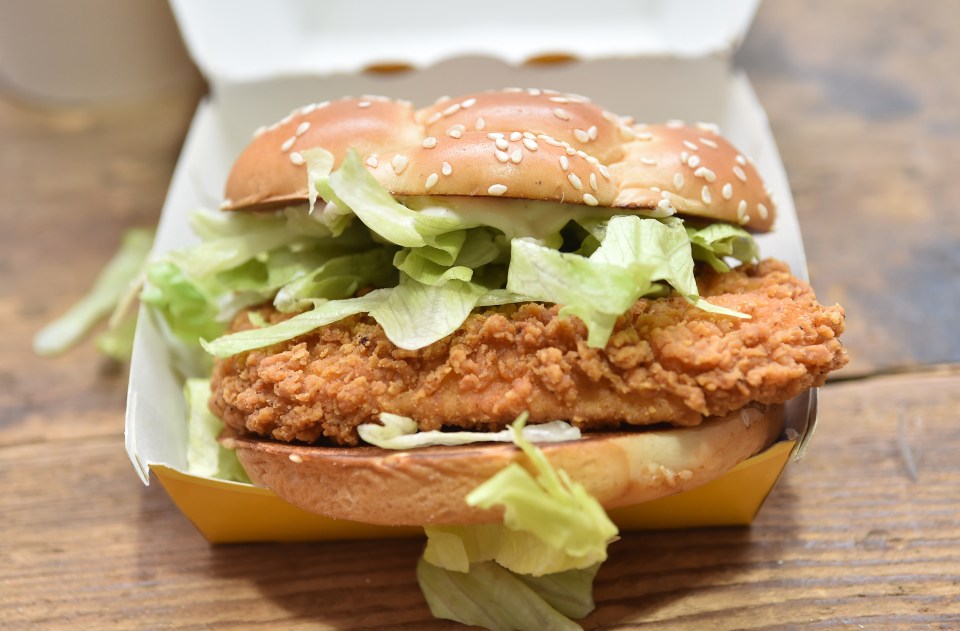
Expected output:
(516, 156)
(530, 144)
(564, 162)
(432, 180)
(739, 173)
(442, 99)
(604, 171)
(530, 135)
(705, 194)
(678, 181)
(742, 211)
(666, 207)
(582, 154)
(399, 163)
(515, 136)
(706, 174)
(727, 191)
(710, 127)
(593, 181)
(372, 162)
(593, 160)
(764, 213)
(741, 160)
(708, 142)
(455, 133)
(627, 132)
(575, 181)
(434, 118)
(429, 142)
(453, 109)
(590, 200)
(513, 89)
(559, 99)
(297, 458)
(656, 189)
(581, 135)
(494, 135)
(288, 143)
(533, 92)
(648, 161)
(480, 124)
(674, 123)
(302, 128)
(308, 109)
(592, 132)
(570, 150)
(446, 169)
(468, 103)
(553, 142)
(259, 131)
(296, 158)
(502, 144)
(363, 104)
(323, 104)
(644, 135)
(684, 156)
(693, 162)
(561, 114)
(609, 116)
(502, 156)
(691, 146)
(497, 189)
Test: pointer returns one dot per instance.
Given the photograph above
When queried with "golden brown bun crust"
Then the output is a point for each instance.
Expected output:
(532, 144)
(428, 485)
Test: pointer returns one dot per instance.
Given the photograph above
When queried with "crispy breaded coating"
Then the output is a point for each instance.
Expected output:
(667, 361)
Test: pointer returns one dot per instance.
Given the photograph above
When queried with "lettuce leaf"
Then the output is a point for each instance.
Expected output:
(534, 571)
(634, 256)
(492, 597)
(205, 455)
(711, 243)
(107, 291)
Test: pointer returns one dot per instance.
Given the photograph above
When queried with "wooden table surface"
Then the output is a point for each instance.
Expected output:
(864, 100)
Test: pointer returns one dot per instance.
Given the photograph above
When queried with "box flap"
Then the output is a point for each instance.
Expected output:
(235, 42)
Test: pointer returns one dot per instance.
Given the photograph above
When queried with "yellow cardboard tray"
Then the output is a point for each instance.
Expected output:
(227, 512)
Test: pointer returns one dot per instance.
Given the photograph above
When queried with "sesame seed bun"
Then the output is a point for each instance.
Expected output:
(428, 485)
(533, 144)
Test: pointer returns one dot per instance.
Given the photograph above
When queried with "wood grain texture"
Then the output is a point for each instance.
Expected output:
(864, 533)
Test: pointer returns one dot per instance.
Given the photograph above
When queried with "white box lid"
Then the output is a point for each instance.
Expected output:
(247, 40)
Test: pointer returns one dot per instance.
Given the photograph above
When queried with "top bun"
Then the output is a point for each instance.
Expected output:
(526, 144)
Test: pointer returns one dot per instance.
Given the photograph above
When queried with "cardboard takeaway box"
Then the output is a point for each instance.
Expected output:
(648, 59)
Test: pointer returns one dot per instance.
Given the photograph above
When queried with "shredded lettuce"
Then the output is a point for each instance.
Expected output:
(400, 432)
(108, 290)
(715, 241)
(633, 256)
(493, 597)
(428, 269)
(205, 456)
(536, 569)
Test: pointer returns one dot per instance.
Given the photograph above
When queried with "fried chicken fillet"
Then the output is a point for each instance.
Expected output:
(666, 362)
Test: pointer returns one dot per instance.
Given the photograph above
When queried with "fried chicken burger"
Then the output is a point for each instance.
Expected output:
(498, 254)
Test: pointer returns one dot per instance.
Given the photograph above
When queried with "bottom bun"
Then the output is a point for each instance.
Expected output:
(428, 485)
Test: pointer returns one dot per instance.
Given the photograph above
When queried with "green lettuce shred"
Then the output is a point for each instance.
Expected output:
(109, 289)
(536, 569)
(495, 598)
(206, 457)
